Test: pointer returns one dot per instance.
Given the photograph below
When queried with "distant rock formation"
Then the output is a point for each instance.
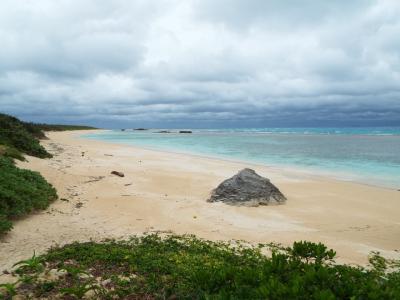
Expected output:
(249, 189)
(163, 131)
(185, 131)
(140, 129)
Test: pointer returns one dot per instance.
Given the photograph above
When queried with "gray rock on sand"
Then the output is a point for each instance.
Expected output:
(249, 189)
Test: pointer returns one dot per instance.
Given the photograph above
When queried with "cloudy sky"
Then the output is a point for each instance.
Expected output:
(201, 63)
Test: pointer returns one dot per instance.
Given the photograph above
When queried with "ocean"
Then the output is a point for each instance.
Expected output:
(365, 155)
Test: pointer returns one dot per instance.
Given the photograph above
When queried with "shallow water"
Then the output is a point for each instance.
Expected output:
(367, 155)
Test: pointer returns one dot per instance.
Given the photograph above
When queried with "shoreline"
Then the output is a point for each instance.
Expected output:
(292, 169)
(167, 192)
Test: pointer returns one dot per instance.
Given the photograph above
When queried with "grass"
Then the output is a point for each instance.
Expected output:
(21, 192)
(185, 267)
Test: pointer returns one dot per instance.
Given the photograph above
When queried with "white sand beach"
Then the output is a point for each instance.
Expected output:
(167, 192)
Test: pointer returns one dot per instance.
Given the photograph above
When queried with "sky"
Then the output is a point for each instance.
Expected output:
(201, 63)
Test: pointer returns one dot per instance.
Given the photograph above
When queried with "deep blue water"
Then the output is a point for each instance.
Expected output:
(367, 155)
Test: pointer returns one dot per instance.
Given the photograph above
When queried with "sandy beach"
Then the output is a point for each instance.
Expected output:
(167, 192)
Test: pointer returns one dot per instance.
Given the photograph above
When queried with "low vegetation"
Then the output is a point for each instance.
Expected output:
(185, 267)
(16, 137)
(52, 127)
(21, 191)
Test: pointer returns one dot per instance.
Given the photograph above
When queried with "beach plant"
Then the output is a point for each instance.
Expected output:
(37, 129)
(5, 224)
(45, 287)
(10, 289)
(21, 192)
(17, 135)
(11, 152)
(73, 271)
(78, 290)
(30, 265)
(319, 253)
(155, 266)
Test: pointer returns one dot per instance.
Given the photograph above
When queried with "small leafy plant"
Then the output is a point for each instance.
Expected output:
(74, 271)
(78, 290)
(31, 265)
(11, 289)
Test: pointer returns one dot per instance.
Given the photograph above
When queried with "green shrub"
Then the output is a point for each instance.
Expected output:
(5, 224)
(14, 134)
(21, 191)
(24, 137)
(185, 267)
(35, 129)
(11, 152)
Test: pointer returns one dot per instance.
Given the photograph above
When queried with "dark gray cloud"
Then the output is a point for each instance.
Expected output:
(201, 63)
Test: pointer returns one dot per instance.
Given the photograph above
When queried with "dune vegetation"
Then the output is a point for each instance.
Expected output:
(55, 127)
(21, 192)
(16, 136)
(185, 267)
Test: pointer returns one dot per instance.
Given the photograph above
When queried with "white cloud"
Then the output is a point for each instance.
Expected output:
(173, 61)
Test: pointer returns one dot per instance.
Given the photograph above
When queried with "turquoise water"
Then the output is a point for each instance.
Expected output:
(367, 155)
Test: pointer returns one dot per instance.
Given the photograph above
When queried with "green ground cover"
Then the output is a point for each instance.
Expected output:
(21, 192)
(185, 267)
(17, 137)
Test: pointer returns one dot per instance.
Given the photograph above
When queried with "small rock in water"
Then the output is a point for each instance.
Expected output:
(249, 189)
(185, 131)
(120, 174)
